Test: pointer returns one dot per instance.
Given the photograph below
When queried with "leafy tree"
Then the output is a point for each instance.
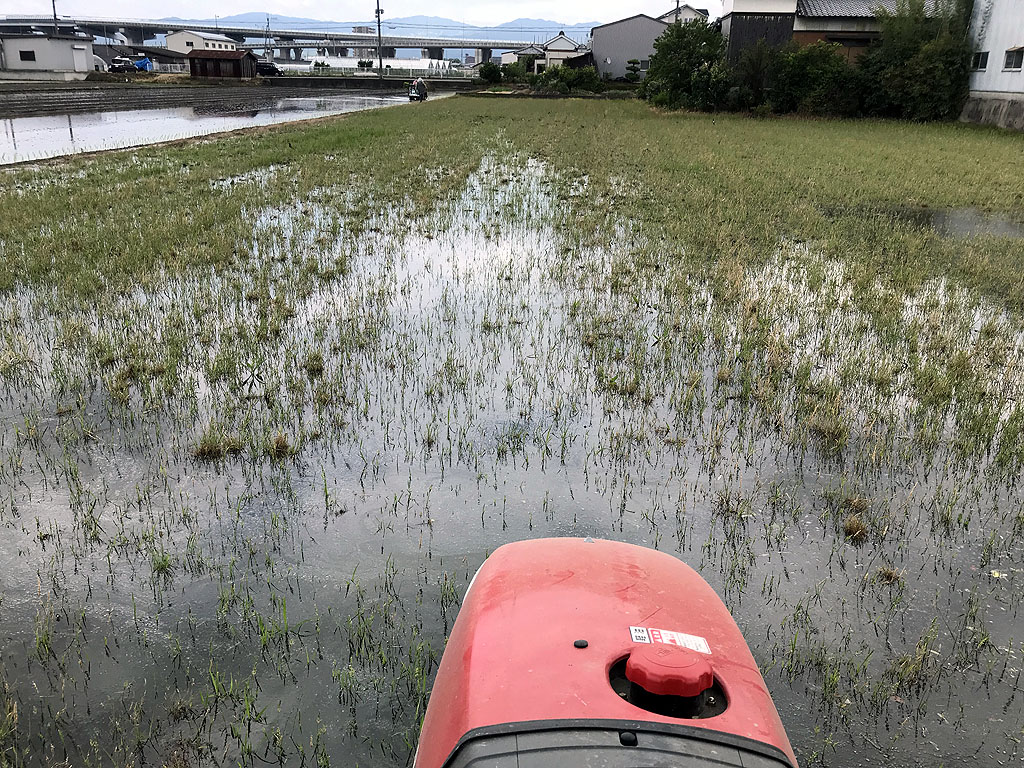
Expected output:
(688, 68)
(752, 75)
(633, 70)
(527, 61)
(919, 67)
(815, 79)
(490, 72)
(568, 79)
(514, 73)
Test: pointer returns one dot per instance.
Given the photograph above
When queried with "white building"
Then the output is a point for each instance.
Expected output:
(550, 54)
(615, 44)
(511, 57)
(997, 66)
(683, 14)
(556, 50)
(45, 57)
(187, 41)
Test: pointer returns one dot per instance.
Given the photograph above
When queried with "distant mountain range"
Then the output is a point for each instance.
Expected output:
(526, 30)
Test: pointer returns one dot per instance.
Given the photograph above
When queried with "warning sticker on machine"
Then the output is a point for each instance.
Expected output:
(668, 637)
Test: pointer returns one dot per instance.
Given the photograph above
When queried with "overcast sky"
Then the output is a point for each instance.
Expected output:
(480, 12)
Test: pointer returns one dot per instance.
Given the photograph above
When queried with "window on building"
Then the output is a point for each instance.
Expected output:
(645, 64)
(1014, 58)
(27, 55)
(979, 60)
(189, 44)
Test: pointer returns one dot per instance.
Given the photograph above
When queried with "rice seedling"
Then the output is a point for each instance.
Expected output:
(426, 333)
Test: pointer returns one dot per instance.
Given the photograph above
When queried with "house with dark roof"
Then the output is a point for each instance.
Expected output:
(853, 24)
(533, 51)
(556, 51)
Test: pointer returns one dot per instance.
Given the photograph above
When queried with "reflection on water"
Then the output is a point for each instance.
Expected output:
(34, 138)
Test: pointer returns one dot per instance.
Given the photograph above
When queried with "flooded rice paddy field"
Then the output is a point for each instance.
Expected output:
(241, 503)
(33, 138)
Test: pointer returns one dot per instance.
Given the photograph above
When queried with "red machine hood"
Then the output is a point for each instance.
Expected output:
(512, 656)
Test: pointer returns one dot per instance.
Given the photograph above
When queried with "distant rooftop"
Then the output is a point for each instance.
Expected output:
(220, 54)
(672, 13)
(209, 36)
(851, 8)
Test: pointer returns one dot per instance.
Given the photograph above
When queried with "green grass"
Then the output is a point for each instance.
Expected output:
(721, 189)
(255, 437)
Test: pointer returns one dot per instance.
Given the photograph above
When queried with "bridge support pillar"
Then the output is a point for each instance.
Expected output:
(131, 36)
(296, 54)
(433, 53)
(482, 55)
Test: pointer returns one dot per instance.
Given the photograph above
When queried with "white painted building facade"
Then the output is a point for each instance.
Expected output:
(45, 57)
(615, 44)
(998, 33)
(997, 64)
(187, 41)
(556, 50)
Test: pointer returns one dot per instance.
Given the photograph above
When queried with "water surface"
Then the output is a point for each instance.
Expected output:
(36, 138)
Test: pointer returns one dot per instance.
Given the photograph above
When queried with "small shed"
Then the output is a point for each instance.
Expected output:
(45, 57)
(236, 64)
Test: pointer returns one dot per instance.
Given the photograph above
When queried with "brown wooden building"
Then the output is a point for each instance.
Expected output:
(237, 64)
(853, 24)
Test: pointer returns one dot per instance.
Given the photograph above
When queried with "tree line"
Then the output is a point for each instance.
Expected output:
(917, 69)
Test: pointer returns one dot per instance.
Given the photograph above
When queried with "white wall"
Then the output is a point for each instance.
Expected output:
(615, 44)
(179, 43)
(998, 25)
(758, 6)
(51, 55)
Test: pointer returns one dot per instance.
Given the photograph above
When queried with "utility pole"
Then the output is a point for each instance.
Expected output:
(268, 51)
(677, 11)
(380, 50)
(56, 30)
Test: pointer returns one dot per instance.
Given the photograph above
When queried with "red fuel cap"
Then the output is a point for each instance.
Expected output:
(668, 670)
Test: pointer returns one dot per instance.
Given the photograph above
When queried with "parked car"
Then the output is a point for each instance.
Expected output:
(122, 64)
(268, 69)
(125, 64)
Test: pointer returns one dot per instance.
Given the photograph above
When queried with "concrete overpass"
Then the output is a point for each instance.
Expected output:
(137, 31)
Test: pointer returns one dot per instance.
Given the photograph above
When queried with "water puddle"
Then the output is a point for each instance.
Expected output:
(950, 222)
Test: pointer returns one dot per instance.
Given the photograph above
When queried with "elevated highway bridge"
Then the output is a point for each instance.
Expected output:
(137, 31)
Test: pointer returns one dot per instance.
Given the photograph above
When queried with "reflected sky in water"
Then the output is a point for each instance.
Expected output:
(36, 138)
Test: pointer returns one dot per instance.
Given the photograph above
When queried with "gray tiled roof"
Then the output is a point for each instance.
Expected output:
(851, 8)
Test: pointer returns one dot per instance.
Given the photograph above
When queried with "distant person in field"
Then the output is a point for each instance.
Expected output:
(421, 88)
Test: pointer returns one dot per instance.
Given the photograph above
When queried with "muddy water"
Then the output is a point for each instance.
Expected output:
(481, 383)
(35, 138)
